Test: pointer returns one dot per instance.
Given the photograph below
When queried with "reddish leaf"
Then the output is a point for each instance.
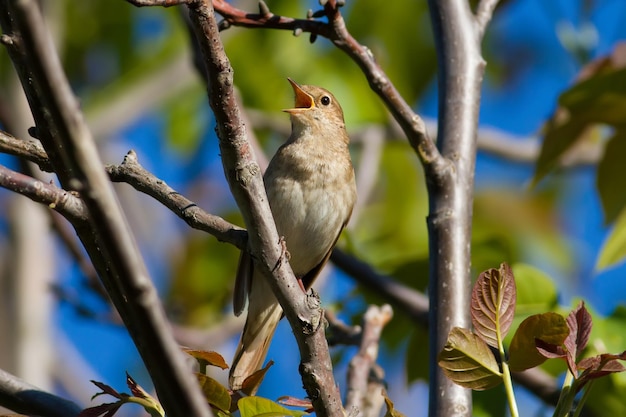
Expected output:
(599, 366)
(296, 402)
(135, 388)
(207, 357)
(579, 323)
(102, 410)
(548, 327)
(105, 390)
(550, 351)
(493, 304)
(252, 383)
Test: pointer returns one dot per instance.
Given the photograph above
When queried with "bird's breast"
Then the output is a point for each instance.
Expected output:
(310, 209)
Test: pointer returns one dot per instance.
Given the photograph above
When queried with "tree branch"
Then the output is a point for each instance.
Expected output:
(362, 363)
(24, 398)
(106, 236)
(450, 191)
(484, 12)
(244, 177)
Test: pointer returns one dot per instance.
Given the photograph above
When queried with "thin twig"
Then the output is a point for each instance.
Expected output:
(484, 13)
(361, 364)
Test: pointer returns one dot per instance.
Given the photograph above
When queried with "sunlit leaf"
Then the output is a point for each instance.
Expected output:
(536, 292)
(614, 248)
(493, 304)
(468, 361)
(258, 406)
(215, 393)
(548, 327)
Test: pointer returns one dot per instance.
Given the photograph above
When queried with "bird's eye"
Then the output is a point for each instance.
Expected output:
(325, 100)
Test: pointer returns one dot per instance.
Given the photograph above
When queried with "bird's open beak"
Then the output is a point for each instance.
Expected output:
(303, 99)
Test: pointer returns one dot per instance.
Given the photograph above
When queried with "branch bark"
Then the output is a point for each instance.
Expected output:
(106, 235)
(457, 39)
(25, 398)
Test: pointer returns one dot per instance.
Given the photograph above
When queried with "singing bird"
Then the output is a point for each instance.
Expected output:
(311, 191)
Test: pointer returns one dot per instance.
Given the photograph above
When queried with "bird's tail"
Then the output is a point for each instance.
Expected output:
(254, 344)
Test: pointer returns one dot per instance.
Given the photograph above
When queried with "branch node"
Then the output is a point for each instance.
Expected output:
(297, 31)
(7, 40)
(313, 37)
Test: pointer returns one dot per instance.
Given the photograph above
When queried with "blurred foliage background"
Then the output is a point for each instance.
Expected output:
(555, 212)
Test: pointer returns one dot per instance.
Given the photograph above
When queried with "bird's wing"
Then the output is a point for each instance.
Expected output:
(309, 277)
(242, 282)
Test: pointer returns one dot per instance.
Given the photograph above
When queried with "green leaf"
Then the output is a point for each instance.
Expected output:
(215, 393)
(610, 177)
(614, 248)
(548, 327)
(262, 407)
(493, 304)
(468, 361)
(536, 292)
(558, 139)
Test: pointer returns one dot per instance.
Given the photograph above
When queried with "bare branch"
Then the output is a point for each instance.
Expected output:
(244, 177)
(58, 199)
(361, 364)
(24, 398)
(28, 149)
(484, 12)
(106, 237)
(450, 192)
(131, 172)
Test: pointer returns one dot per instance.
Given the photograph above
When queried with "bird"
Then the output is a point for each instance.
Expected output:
(311, 190)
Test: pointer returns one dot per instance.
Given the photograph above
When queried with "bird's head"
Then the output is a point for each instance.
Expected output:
(314, 108)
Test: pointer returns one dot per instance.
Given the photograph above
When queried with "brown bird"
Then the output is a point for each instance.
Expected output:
(311, 191)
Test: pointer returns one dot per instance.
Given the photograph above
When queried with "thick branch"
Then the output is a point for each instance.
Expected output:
(451, 192)
(244, 177)
(24, 398)
(106, 236)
